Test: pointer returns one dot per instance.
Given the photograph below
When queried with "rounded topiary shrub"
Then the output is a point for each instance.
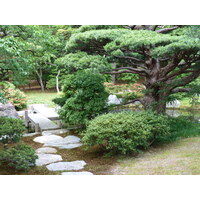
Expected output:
(125, 132)
(20, 158)
(11, 130)
(84, 97)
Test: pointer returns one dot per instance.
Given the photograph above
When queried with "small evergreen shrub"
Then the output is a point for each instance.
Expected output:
(13, 95)
(125, 132)
(20, 158)
(11, 130)
(84, 97)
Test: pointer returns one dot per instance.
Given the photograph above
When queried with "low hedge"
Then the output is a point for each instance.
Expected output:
(125, 132)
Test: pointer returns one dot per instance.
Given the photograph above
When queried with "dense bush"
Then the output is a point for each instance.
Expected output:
(13, 95)
(20, 158)
(125, 132)
(84, 97)
(11, 130)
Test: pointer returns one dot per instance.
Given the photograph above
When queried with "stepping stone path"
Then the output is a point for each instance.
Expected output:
(46, 150)
(61, 166)
(44, 159)
(47, 155)
(77, 173)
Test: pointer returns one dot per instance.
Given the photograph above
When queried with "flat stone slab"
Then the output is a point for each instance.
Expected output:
(46, 150)
(77, 173)
(71, 139)
(44, 159)
(62, 166)
(55, 132)
(30, 134)
(44, 122)
(69, 142)
(70, 146)
(48, 139)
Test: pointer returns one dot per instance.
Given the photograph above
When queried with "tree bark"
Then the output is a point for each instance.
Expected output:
(39, 74)
(151, 102)
(114, 75)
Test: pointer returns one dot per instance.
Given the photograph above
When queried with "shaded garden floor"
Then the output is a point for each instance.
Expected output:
(177, 158)
(97, 163)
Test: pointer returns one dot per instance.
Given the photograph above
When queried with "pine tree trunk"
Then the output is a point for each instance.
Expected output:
(154, 103)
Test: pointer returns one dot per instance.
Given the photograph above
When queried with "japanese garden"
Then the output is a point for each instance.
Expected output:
(99, 99)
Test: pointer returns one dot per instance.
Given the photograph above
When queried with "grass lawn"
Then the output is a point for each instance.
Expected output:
(178, 158)
(38, 97)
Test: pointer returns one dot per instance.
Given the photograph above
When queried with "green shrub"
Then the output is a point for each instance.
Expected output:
(84, 97)
(20, 158)
(180, 127)
(13, 95)
(11, 130)
(125, 132)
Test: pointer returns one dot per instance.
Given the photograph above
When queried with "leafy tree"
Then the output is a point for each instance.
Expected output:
(166, 56)
(30, 51)
(12, 63)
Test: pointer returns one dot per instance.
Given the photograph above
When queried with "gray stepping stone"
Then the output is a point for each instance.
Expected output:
(70, 146)
(30, 134)
(62, 166)
(72, 139)
(48, 139)
(44, 159)
(55, 132)
(69, 142)
(46, 150)
(77, 173)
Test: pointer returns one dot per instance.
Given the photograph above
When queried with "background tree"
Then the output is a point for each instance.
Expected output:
(166, 56)
(30, 51)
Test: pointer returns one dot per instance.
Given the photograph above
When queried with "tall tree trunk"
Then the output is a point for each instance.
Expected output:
(114, 76)
(155, 103)
(39, 74)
